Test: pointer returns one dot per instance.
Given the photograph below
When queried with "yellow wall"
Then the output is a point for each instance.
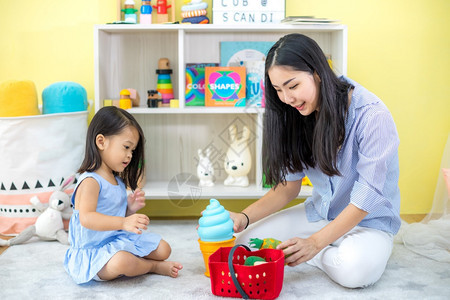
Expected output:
(400, 50)
(397, 49)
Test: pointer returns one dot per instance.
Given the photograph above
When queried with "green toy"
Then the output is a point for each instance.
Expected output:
(268, 243)
(254, 261)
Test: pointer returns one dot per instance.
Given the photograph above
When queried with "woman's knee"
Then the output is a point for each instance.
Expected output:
(356, 264)
(359, 274)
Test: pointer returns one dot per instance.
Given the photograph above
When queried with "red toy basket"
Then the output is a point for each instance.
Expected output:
(263, 281)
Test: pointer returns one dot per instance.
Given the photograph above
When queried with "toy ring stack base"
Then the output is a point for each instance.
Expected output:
(195, 13)
(209, 248)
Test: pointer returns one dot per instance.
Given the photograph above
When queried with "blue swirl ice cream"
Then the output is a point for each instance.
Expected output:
(215, 224)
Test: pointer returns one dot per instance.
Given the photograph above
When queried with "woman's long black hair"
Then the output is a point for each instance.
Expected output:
(109, 121)
(291, 141)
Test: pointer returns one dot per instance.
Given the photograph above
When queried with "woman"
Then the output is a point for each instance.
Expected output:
(344, 139)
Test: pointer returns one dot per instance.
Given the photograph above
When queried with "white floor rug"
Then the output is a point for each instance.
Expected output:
(34, 271)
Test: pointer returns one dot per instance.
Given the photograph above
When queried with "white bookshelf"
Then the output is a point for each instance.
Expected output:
(126, 56)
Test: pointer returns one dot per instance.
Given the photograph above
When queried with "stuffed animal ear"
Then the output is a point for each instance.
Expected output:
(245, 133)
(232, 130)
(200, 153)
(67, 182)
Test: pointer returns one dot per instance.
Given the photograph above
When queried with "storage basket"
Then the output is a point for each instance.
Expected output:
(231, 278)
(37, 153)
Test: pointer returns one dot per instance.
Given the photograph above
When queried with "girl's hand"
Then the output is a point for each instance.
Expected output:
(135, 223)
(239, 220)
(300, 250)
(136, 201)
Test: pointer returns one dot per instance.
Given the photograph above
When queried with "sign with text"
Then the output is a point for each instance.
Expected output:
(248, 11)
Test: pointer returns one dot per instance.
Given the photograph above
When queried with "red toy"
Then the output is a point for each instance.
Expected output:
(161, 7)
(161, 11)
(231, 278)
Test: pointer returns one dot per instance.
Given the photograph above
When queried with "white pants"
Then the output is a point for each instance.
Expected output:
(357, 259)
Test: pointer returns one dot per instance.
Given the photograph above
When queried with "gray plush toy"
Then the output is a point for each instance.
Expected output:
(49, 225)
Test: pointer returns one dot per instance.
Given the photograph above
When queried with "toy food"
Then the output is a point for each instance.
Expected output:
(215, 224)
(215, 230)
(268, 243)
(254, 261)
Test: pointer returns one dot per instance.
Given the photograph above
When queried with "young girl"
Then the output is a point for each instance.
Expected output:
(105, 232)
(344, 139)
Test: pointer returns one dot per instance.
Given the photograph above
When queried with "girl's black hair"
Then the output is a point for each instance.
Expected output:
(291, 141)
(109, 121)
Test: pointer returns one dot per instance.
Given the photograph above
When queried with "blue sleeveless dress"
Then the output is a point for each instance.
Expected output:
(89, 249)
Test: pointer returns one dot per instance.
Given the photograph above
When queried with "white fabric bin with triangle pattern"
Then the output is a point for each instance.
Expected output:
(36, 154)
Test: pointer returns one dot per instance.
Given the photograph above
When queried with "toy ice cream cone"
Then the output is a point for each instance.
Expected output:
(215, 230)
(209, 248)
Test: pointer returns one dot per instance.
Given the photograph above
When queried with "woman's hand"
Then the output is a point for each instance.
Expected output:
(135, 223)
(299, 250)
(239, 220)
(136, 201)
(302, 250)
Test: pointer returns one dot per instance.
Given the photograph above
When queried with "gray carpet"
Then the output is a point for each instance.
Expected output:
(34, 271)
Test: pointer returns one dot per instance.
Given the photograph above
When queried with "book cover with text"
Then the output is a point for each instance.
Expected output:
(254, 82)
(195, 83)
(225, 86)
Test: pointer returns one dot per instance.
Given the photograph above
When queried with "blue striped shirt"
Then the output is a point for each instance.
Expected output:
(368, 162)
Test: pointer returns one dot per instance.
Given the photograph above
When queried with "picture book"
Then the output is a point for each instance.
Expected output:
(225, 86)
(254, 82)
(195, 83)
(232, 53)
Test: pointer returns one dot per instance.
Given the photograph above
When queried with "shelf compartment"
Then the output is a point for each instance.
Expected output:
(172, 142)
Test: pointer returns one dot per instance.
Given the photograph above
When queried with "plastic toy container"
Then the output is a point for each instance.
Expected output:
(231, 278)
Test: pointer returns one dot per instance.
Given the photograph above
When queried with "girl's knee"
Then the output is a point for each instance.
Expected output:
(166, 250)
(162, 252)
(119, 264)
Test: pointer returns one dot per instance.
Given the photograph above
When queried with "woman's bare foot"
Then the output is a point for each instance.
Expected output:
(168, 268)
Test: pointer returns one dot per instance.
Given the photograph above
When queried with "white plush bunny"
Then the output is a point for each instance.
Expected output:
(238, 160)
(205, 169)
(49, 225)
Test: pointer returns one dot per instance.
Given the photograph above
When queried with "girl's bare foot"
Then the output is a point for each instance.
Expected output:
(168, 268)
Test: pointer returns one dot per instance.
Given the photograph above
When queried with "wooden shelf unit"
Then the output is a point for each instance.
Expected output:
(126, 56)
